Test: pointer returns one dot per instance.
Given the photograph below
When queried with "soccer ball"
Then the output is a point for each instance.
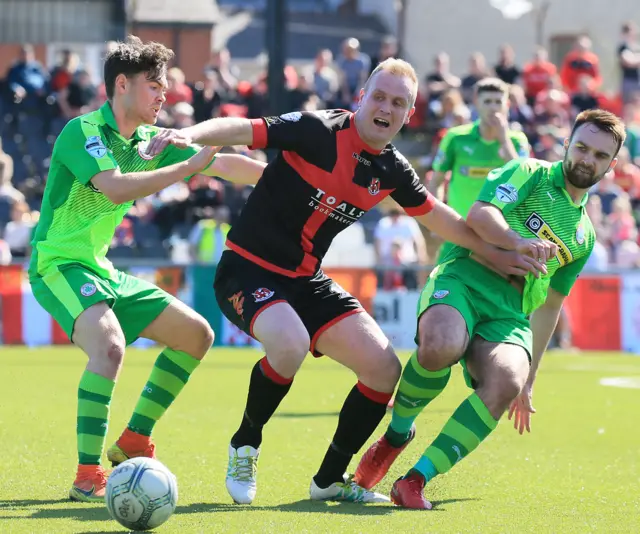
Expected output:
(141, 493)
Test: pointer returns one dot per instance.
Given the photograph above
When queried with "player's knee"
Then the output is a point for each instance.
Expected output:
(289, 351)
(386, 371)
(438, 350)
(204, 338)
(500, 389)
(114, 351)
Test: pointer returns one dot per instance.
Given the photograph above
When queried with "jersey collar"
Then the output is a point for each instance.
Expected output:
(557, 177)
(110, 121)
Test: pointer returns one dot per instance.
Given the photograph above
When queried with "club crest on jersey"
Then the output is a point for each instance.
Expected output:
(95, 147)
(88, 289)
(507, 193)
(143, 146)
(374, 186)
(262, 294)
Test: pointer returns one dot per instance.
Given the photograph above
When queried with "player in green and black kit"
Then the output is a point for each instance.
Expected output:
(471, 151)
(98, 168)
(468, 305)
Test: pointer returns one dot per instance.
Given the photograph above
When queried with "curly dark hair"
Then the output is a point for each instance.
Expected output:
(132, 57)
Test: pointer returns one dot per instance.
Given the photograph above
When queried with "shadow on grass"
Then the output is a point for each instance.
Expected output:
(304, 415)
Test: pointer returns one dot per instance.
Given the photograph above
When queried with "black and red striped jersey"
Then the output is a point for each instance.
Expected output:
(324, 179)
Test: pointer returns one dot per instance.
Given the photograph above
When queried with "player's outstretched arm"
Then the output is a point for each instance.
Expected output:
(543, 324)
(489, 223)
(236, 168)
(449, 225)
(221, 131)
(121, 188)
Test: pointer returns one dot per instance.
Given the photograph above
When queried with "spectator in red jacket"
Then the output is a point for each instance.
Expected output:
(579, 61)
(537, 74)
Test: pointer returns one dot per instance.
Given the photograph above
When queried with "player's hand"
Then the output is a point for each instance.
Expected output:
(521, 410)
(500, 122)
(515, 263)
(539, 249)
(166, 137)
(200, 161)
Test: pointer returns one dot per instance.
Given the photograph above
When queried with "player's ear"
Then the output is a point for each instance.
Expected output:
(121, 83)
(566, 143)
(410, 114)
(360, 96)
(614, 162)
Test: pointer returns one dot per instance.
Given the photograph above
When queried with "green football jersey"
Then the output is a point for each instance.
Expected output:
(534, 201)
(77, 222)
(470, 158)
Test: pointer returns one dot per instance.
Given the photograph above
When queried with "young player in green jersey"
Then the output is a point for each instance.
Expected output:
(99, 166)
(497, 326)
(471, 151)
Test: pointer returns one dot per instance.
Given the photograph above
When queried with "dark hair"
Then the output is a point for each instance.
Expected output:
(491, 85)
(132, 57)
(604, 121)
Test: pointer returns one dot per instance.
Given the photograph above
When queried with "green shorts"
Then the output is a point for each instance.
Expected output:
(490, 306)
(72, 288)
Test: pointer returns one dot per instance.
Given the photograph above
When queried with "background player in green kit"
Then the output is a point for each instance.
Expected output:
(468, 305)
(471, 151)
(98, 168)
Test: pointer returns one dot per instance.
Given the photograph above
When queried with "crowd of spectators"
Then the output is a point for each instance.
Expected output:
(188, 221)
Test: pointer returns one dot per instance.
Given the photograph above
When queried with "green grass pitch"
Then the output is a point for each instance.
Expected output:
(579, 470)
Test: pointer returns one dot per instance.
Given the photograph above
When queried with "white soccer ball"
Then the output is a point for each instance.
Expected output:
(141, 493)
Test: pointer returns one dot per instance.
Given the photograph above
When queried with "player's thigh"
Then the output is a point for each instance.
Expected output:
(181, 328)
(257, 301)
(98, 333)
(341, 329)
(356, 341)
(446, 321)
(499, 368)
(67, 293)
(138, 304)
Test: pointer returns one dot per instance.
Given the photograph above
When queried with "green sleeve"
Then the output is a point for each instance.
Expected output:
(507, 187)
(81, 149)
(521, 144)
(445, 158)
(172, 155)
(564, 278)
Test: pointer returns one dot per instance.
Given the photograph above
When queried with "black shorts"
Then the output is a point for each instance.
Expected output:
(244, 290)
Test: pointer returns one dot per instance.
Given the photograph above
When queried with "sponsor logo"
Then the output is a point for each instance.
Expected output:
(441, 293)
(374, 186)
(541, 229)
(294, 116)
(237, 301)
(261, 294)
(362, 160)
(335, 209)
(507, 193)
(580, 235)
(95, 147)
(88, 289)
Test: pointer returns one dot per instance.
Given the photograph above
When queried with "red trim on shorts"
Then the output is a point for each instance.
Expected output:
(260, 310)
(328, 325)
(262, 263)
(259, 128)
(372, 394)
(272, 374)
(423, 208)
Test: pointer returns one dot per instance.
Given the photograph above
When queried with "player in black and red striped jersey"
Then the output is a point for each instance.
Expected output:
(332, 167)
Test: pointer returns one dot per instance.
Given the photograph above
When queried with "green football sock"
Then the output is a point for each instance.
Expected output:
(94, 397)
(169, 375)
(469, 425)
(418, 387)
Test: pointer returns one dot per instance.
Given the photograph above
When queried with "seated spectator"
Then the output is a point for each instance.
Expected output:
(626, 175)
(62, 74)
(325, 81)
(208, 236)
(27, 81)
(17, 232)
(441, 79)
(622, 225)
(477, 71)
(398, 241)
(79, 97)
(585, 97)
(538, 74)
(506, 68)
(207, 97)
(607, 190)
(177, 89)
(580, 61)
(353, 70)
